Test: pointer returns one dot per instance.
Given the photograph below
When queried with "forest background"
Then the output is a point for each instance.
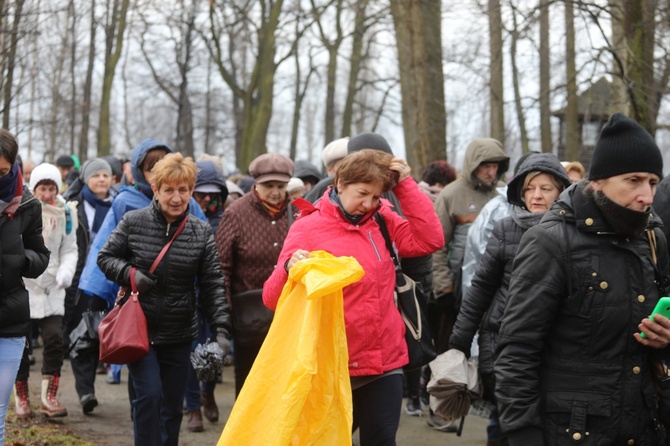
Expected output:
(237, 78)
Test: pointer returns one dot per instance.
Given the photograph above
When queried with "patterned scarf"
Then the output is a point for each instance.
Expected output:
(11, 185)
(272, 209)
(100, 205)
(351, 218)
(623, 221)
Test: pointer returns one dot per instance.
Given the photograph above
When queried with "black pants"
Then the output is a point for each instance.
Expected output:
(52, 354)
(243, 358)
(377, 410)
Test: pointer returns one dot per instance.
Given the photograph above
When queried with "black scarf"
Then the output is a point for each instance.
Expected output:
(351, 218)
(8, 186)
(623, 221)
(101, 208)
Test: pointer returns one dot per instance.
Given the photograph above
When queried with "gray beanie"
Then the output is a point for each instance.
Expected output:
(624, 146)
(369, 140)
(93, 166)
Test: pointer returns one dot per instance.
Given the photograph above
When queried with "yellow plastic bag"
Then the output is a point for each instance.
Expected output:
(298, 391)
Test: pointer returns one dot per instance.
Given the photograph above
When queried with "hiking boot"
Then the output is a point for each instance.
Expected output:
(209, 406)
(413, 407)
(50, 405)
(21, 399)
(440, 424)
(194, 423)
(88, 403)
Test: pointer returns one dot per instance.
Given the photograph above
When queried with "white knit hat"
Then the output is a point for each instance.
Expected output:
(45, 172)
(334, 151)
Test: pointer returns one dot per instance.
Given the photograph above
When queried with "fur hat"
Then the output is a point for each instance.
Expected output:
(45, 172)
(623, 147)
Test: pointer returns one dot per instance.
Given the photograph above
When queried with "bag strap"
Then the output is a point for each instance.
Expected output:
(399, 277)
(133, 285)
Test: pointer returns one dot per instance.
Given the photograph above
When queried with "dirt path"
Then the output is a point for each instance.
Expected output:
(110, 424)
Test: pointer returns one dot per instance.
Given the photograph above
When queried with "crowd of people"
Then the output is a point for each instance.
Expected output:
(549, 279)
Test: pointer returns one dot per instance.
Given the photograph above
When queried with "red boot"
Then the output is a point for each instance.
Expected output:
(21, 399)
(50, 405)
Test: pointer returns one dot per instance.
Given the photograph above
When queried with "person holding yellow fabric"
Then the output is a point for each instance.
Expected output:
(342, 223)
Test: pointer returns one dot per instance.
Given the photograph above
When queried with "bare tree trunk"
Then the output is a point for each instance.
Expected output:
(354, 65)
(515, 80)
(114, 32)
(88, 86)
(73, 83)
(11, 61)
(418, 28)
(299, 92)
(545, 79)
(333, 48)
(618, 89)
(496, 56)
(572, 148)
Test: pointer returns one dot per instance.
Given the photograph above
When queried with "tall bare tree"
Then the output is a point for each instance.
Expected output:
(520, 114)
(355, 61)
(571, 111)
(115, 28)
(545, 78)
(496, 88)
(418, 26)
(332, 45)
(88, 87)
(257, 95)
(10, 62)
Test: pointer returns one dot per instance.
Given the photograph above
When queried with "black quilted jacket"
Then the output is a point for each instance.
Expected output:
(170, 306)
(569, 370)
(22, 254)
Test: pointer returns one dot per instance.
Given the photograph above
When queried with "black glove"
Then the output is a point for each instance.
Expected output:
(144, 281)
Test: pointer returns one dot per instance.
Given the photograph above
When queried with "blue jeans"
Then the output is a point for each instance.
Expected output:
(159, 380)
(11, 350)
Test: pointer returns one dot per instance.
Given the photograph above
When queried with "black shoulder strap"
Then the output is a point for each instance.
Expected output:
(400, 278)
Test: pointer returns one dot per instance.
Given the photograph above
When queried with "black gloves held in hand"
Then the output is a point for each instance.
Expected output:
(144, 281)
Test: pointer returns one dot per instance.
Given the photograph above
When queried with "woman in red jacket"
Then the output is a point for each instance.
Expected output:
(342, 223)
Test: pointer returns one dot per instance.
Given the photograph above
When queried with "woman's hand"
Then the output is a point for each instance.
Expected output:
(400, 166)
(657, 332)
(297, 256)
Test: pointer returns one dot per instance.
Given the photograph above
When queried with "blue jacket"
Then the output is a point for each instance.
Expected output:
(93, 282)
(209, 173)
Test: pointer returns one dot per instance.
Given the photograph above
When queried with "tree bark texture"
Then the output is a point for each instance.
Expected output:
(571, 112)
(497, 106)
(545, 79)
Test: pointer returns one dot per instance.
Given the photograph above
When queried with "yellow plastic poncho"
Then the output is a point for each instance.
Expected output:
(298, 391)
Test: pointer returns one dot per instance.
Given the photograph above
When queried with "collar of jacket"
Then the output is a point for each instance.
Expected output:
(573, 207)
(157, 212)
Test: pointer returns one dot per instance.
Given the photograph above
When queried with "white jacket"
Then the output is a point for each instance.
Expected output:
(47, 292)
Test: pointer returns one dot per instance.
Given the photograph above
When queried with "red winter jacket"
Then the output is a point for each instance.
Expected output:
(375, 331)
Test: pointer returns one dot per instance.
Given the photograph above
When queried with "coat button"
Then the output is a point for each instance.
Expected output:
(576, 436)
(588, 221)
(274, 222)
(636, 370)
(275, 244)
(594, 274)
(630, 442)
(603, 285)
(640, 298)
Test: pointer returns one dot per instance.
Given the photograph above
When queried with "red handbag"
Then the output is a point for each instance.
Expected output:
(123, 333)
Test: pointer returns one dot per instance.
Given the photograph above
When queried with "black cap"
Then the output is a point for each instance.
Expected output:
(64, 161)
(368, 141)
(623, 147)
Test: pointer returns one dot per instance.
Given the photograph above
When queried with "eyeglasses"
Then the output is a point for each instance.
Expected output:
(202, 195)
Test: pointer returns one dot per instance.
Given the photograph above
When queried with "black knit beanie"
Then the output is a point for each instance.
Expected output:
(623, 147)
(368, 141)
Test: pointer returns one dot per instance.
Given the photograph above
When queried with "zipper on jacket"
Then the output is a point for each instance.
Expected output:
(372, 242)
(167, 230)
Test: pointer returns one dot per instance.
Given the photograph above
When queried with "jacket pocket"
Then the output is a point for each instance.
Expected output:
(578, 417)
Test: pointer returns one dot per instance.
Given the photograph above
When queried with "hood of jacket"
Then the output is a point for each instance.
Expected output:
(484, 150)
(542, 162)
(209, 173)
(137, 157)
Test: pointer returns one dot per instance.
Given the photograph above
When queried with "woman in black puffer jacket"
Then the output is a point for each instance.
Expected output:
(537, 184)
(168, 295)
(22, 254)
